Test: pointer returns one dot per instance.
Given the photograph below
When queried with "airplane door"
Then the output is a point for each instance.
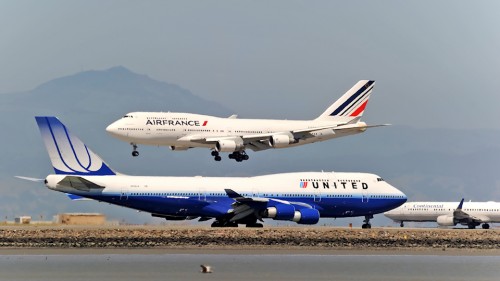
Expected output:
(255, 193)
(364, 196)
(317, 195)
(202, 194)
(124, 193)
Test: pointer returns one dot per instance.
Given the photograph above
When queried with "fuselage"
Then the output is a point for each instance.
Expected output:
(186, 130)
(430, 211)
(332, 194)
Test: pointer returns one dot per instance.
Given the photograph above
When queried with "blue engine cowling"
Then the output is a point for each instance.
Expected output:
(306, 216)
(280, 212)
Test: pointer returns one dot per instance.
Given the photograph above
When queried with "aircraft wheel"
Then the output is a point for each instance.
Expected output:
(486, 226)
(245, 157)
(471, 226)
(214, 153)
(402, 224)
(216, 224)
(135, 153)
(231, 156)
(217, 158)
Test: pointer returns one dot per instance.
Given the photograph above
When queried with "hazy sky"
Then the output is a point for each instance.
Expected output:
(436, 63)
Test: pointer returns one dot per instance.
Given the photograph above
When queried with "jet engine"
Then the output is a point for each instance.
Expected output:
(280, 212)
(306, 216)
(179, 148)
(281, 140)
(445, 220)
(230, 145)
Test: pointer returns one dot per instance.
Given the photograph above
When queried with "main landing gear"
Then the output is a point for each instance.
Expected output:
(216, 156)
(135, 153)
(366, 223)
(237, 155)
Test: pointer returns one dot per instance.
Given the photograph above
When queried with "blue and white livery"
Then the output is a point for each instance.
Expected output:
(182, 131)
(69, 155)
(300, 197)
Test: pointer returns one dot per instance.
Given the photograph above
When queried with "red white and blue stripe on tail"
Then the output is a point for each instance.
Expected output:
(353, 102)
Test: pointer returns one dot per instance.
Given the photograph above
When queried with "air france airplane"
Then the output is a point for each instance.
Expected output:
(471, 214)
(182, 131)
(299, 197)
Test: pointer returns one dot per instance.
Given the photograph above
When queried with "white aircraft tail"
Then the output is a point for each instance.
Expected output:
(68, 154)
(352, 103)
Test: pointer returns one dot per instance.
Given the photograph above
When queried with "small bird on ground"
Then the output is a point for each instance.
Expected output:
(205, 268)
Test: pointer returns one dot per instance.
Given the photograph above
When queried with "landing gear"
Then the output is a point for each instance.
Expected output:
(216, 156)
(473, 224)
(239, 156)
(485, 226)
(402, 224)
(366, 223)
(135, 153)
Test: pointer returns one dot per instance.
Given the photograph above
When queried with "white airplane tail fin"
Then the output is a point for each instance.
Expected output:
(68, 154)
(352, 103)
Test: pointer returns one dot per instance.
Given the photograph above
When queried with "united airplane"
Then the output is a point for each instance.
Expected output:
(299, 197)
(471, 214)
(182, 131)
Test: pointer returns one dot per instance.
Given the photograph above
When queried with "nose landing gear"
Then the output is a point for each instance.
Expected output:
(367, 222)
(135, 153)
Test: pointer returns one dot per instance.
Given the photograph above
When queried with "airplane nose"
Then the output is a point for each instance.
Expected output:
(111, 129)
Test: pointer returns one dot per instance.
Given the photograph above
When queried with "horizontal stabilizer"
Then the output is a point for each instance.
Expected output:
(79, 183)
(74, 197)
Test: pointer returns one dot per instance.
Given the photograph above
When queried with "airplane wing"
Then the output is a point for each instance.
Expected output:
(258, 142)
(261, 141)
(465, 218)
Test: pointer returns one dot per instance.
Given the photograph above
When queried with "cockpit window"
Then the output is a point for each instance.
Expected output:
(380, 179)
(127, 116)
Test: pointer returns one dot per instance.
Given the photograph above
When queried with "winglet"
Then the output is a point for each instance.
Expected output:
(232, 194)
(352, 103)
(68, 154)
(460, 205)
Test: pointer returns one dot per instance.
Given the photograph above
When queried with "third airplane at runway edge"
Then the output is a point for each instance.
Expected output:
(182, 131)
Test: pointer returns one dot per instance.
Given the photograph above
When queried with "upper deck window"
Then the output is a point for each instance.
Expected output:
(380, 179)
